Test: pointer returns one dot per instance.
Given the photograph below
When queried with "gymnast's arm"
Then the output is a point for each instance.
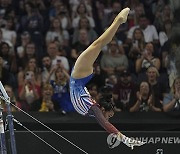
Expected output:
(111, 129)
(102, 120)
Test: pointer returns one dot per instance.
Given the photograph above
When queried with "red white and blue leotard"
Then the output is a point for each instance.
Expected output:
(80, 96)
(85, 105)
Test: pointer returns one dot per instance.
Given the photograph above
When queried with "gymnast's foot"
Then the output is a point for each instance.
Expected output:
(123, 15)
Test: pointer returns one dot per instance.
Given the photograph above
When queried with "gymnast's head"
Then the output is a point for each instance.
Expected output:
(106, 102)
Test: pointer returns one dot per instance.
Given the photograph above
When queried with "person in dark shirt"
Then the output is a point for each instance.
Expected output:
(122, 91)
(158, 88)
(143, 101)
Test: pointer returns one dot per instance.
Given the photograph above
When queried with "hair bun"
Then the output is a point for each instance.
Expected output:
(108, 96)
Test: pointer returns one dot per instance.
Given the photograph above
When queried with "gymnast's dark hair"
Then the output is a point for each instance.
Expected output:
(105, 100)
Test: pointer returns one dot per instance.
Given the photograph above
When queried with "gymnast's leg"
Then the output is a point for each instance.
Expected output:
(84, 64)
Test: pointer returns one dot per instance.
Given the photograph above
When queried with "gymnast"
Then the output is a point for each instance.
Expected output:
(82, 73)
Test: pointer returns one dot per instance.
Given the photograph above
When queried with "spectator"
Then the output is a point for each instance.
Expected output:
(47, 69)
(84, 24)
(143, 100)
(150, 32)
(165, 32)
(55, 9)
(162, 16)
(32, 67)
(9, 59)
(98, 78)
(64, 18)
(24, 40)
(5, 6)
(82, 12)
(136, 49)
(6, 77)
(139, 11)
(138, 44)
(158, 6)
(9, 33)
(2, 20)
(146, 60)
(171, 101)
(53, 54)
(61, 96)
(111, 80)
(114, 60)
(13, 100)
(56, 33)
(20, 10)
(39, 4)
(29, 92)
(1, 36)
(75, 3)
(32, 21)
(170, 57)
(30, 52)
(122, 91)
(158, 88)
(47, 104)
(82, 43)
(174, 5)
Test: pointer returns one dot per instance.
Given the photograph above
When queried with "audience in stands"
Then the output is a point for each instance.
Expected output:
(37, 36)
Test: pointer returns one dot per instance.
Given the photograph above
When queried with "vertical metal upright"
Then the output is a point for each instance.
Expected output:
(10, 119)
(3, 149)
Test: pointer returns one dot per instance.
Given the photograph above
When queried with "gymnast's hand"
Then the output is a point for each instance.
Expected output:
(129, 142)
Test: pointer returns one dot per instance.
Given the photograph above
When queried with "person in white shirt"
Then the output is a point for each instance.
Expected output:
(165, 32)
(56, 33)
(150, 32)
(53, 53)
(47, 69)
(82, 12)
(9, 34)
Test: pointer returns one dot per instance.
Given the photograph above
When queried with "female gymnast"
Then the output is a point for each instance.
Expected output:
(83, 72)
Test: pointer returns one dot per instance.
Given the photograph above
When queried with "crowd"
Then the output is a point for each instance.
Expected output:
(40, 41)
